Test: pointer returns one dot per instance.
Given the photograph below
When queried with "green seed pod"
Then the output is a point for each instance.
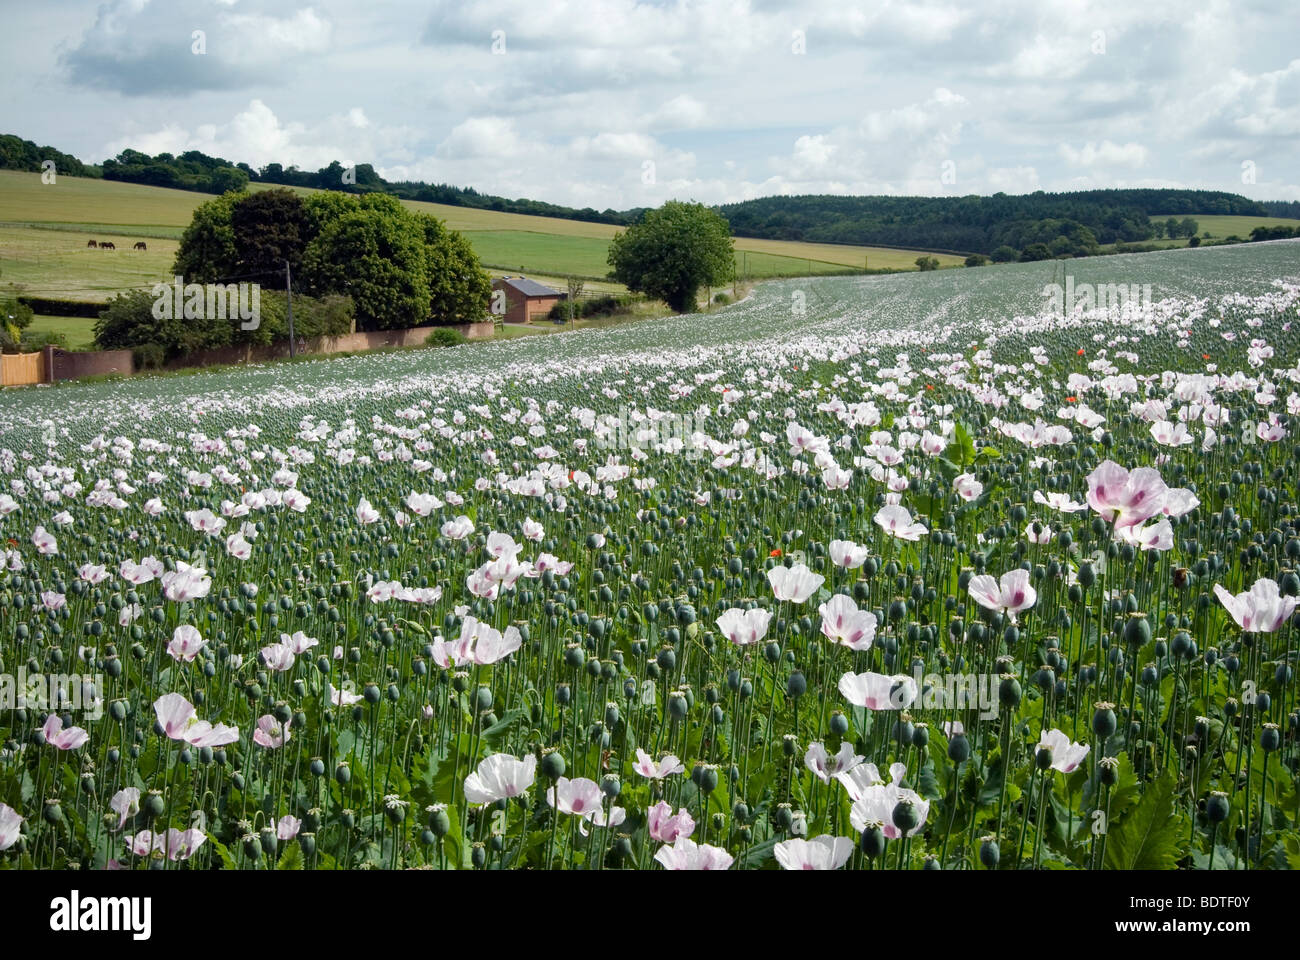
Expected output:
(553, 765)
(1104, 721)
(990, 853)
(905, 816)
(1009, 692)
(153, 805)
(439, 822)
(872, 842)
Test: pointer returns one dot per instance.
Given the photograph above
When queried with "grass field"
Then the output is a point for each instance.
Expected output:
(78, 331)
(57, 263)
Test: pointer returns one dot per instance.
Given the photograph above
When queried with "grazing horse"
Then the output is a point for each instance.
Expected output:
(106, 245)
(91, 243)
(141, 246)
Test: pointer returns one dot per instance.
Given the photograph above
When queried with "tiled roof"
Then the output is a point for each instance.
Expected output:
(529, 288)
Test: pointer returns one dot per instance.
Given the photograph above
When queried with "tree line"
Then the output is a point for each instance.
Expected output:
(1068, 224)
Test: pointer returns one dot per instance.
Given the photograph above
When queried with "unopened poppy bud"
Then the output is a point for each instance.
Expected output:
(789, 744)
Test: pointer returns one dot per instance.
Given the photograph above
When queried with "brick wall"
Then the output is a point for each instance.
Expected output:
(72, 365)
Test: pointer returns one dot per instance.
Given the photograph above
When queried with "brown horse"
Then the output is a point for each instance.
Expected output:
(106, 245)
(141, 246)
(91, 243)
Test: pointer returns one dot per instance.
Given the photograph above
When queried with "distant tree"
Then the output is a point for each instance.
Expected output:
(672, 252)
(927, 263)
(1171, 228)
(1193, 241)
(575, 291)
(976, 260)
(1188, 227)
(1005, 254)
(1035, 251)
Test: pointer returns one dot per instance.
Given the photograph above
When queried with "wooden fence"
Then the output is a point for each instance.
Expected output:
(20, 369)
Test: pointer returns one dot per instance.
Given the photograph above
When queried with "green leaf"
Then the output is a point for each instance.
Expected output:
(227, 861)
(1152, 835)
(756, 854)
(291, 859)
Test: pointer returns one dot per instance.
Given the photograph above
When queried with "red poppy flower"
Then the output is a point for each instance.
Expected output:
(775, 553)
(1080, 351)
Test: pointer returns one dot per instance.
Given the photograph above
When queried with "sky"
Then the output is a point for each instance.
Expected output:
(617, 103)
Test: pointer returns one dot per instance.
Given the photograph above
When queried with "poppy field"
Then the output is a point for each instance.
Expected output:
(906, 572)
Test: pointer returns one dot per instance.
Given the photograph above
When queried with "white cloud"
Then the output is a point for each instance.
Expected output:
(1105, 154)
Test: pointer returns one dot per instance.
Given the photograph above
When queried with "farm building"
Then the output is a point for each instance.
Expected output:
(525, 300)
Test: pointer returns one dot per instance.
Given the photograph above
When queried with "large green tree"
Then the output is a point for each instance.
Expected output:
(376, 255)
(208, 252)
(672, 252)
(459, 288)
(271, 227)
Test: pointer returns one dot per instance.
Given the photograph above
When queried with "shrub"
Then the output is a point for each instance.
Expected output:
(721, 299)
(445, 337)
(40, 339)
